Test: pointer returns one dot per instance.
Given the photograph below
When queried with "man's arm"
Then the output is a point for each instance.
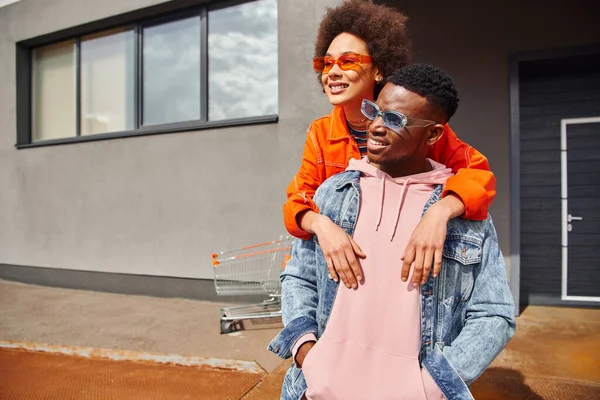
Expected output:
(490, 319)
(299, 298)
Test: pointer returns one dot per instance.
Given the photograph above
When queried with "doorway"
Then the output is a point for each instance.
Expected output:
(558, 155)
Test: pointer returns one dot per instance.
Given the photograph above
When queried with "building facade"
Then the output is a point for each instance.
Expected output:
(138, 137)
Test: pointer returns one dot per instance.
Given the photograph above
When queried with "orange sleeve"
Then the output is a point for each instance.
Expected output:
(301, 190)
(473, 181)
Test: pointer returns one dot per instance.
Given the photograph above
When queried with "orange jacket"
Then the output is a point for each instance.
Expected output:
(329, 147)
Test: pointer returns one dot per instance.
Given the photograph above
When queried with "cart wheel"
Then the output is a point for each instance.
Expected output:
(226, 326)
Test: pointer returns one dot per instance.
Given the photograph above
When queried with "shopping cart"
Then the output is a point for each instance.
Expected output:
(251, 270)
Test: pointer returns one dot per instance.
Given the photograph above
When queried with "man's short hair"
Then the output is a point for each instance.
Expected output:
(429, 82)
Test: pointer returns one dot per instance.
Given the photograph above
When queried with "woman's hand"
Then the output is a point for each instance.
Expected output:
(427, 240)
(340, 251)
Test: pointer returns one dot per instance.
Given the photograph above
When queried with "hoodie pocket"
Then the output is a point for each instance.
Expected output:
(336, 369)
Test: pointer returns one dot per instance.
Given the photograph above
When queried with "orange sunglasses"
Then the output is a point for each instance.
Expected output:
(345, 62)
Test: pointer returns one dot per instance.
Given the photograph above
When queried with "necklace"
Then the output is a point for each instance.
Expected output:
(358, 125)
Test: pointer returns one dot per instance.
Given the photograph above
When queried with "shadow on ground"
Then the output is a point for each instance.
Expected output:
(503, 384)
(553, 356)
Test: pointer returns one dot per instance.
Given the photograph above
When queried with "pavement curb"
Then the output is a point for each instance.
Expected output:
(128, 355)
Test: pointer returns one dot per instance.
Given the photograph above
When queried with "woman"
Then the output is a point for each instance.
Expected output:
(359, 44)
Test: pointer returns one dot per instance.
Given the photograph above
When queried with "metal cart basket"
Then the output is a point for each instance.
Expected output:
(251, 270)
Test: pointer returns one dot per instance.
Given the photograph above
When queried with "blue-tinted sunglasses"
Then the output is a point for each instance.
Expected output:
(393, 120)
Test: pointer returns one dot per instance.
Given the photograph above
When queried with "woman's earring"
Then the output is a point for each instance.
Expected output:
(379, 79)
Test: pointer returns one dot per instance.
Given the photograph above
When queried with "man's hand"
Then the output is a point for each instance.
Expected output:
(427, 240)
(340, 252)
(302, 352)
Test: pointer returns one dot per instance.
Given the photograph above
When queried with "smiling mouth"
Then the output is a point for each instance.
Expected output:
(376, 143)
(338, 87)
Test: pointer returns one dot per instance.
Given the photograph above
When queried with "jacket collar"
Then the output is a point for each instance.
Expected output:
(347, 178)
(338, 128)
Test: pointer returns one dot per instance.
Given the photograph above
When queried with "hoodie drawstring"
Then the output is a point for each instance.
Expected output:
(399, 208)
(438, 175)
(381, 203)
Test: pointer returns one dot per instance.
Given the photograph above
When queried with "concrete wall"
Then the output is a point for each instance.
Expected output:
(155, 205)
(161, 205)
(471, 41)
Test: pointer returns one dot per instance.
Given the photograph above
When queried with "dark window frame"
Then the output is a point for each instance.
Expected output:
(138, 19)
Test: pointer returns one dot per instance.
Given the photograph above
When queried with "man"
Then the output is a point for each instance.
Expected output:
(390, 339)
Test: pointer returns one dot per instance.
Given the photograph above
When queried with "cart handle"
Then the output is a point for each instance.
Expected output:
(260, 244)
(256, 253)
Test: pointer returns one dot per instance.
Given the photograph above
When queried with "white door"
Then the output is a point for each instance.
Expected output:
(580, 187)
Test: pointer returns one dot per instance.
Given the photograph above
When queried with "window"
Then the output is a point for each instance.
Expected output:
(242, 61)
(54, 91)
(198, 68)
(171, 72)
(107, 82)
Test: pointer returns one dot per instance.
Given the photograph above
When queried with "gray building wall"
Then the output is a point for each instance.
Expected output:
(160, 205)
(155, 205)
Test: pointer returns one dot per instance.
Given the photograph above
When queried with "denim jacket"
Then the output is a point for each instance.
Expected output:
(467, 312)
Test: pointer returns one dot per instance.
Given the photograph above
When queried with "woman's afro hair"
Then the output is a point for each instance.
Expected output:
(381, 27)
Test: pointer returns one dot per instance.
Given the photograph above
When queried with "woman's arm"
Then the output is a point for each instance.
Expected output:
(469, 194)
(473, 183)
(302, 219)
(302, 188)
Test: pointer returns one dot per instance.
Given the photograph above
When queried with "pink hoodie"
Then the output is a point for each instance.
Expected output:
(371, 345)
